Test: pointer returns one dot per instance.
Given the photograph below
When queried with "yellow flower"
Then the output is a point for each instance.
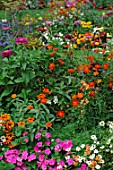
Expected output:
(78, 41)
(40, 18)
(89, 23)
(97, 43)
(99, 81)
(74, 45)
(27, 23)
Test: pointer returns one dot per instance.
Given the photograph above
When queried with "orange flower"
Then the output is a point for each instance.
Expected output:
(96, 73)
(86, 70)
(48, 124)
(61, 113)
(30, 107)
(46, 90)
(91, 84)
(75, 103)
(9, 124)
(105, 66)
(61, 61)
(41, 96)
(21, 123)
(97, 66)
(80, 95)
(13, 96)
(74, 96)
(44, 101)
(9, 136)
(52, 66)
(50, 47)
(87, 151)
(56, 49)
(5, 117)
(70, 70)
(52, 54)
(110, 84)
(92, 93)
(30, 119)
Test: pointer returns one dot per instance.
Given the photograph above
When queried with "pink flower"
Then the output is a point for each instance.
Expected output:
(57, 140)
(7, 53)
(36, 149)
(11, 158)
(31, 157)
(26, 140)
(57, 148)
(1, 157)
(83, 167)
(38, 135)
(17, 168)
(21, 41)
(48, 135)
(47, 151)
(70, 161)
(25, 133)
(39, 144)
(6, 28)
(51, 161)
(62, 163)
(24, 155)
(38, 164)
(47, 142)
(41, 157)
(24, 167)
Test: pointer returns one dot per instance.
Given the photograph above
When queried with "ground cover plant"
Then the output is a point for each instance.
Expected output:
(56, 86)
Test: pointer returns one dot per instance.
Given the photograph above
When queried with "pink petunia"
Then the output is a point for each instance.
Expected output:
(31, 157)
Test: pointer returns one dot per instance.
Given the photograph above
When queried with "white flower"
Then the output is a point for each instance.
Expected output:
(92, 147)
(102, 147)
(67, 157)
(93, 137)
(111, 151)
(111, 146)
(102, 123)
(88, 162)
(102, 161)
(82, 146)
(92, 156)
(49, 102)
(95, 151)
(4, 20)
(97, 166)
(78, 148)
(3, 138)
(55, 100)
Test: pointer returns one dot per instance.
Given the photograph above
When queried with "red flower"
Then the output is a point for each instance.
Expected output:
(91, 84)
(52, 66)
(61, 113)
(75, 103)
(105, 66)
(92, 93)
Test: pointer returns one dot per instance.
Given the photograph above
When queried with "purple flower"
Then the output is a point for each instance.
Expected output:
(21, 41)
(77, 22)
(1, 157)
(47, 151)
(83, 167)
(24, 155)
(48, 135)
(38, 135)
(70, 161)
(31, 157)
(47, 142)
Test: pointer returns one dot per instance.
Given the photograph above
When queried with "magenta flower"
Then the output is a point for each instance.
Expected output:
(70, 161)
(57, 140)
(25, 133)
(38, 164)
(7, 53)
(57, 148)
(51, 161)
(21, 41)
(38, 135)
(48, 135)
(39, 144)
(24, 155)
(1, 157)
(41, 157)
(62, 163)
(36, 149)
(6, 28)
(47, 151)
(11, 158)
(24, 167)
(47, 142)
(83, 167)
(26, 140)
(31, 157)
(17, 168)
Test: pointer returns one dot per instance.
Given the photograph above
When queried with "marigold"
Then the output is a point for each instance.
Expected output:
(74, 96)
(30, 107)
(75, 103)
(13, 96)
(44, 101)
(5, 117)
(61, 113)
(9, 124)
(21, 123)
(52, 54)
(92, 93)
(48, 124)
(56, 49)
(30, 119)
(91, 84)
(96, 73)
(70, 70)
(50, 47)
(52, 66)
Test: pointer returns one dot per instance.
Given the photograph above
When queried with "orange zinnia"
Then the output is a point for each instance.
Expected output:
(80, 95)
(61, 61)
(52, 54)
(13, 96)
(30, 107)
(96, 73)
(5, 117)
(86, 70)
(46, 90)
(44, 101)
(70, 70)
(50, 47)
(48, 124)
(91, 84)
(41, 96)
(61, 113)
(21, 123)
(106, 66)
(9, 136)
(52, 66)
(75, 103)
(56, 49)
(74, 96)
(9, 124)
(92, 93)
(30, 119)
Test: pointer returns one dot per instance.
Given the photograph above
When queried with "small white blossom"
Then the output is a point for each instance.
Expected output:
(97, 166)
(93, 137)
(78, 148)
(82, 146)
(102, 147)
(55, 100)
(95, 151)
(102, 123)
(88, 163)
(3, 138)
(67, 157)
(92, 147)
(49, 102)
(92, 156)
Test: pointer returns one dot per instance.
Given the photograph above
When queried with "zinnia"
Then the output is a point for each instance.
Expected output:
(21, 41)
(7, 53)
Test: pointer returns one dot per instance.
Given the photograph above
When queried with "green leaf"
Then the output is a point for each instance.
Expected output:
(6, 92)
(19, 80)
